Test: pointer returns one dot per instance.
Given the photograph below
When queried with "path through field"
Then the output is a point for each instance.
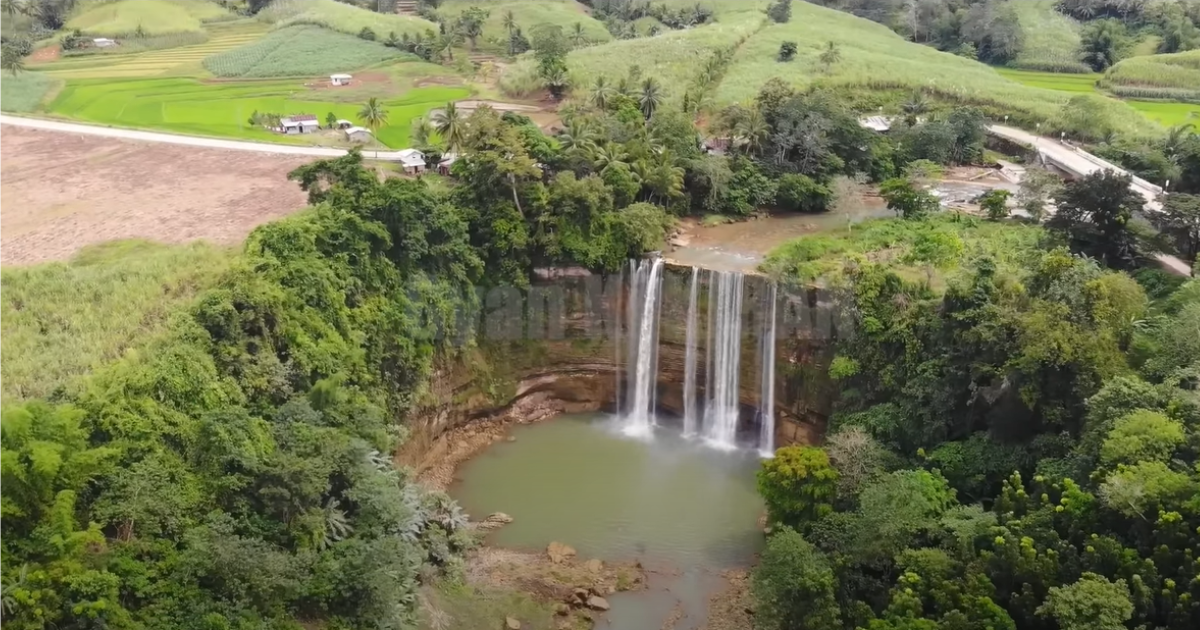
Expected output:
(63, 191)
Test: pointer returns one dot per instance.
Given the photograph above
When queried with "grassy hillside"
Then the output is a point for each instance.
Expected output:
(174, 61)
(299, 51)
(672, 57)
(1051, 38)
(341, 17)
(1175, 76)
(153, 17)
(721, 8)
(24, 92)
(223, 108)
(564, 13)
(60, 320)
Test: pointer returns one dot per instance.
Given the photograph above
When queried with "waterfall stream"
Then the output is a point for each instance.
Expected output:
(689, 363)
(724, 352)
(645, 289)
(766, 405)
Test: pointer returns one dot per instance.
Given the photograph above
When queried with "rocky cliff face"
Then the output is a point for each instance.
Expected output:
(532, 362)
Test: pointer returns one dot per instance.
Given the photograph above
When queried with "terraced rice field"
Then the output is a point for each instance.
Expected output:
(223, 108)
(181, 61)
(1165, 113)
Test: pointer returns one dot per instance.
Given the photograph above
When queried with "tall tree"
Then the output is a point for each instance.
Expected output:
(1103, 44)
(578, 36)
(449, 124)
(650, 96)
(373, 114)
(1094, 213)
(794, 586)
(1180, 218)
(780, 11)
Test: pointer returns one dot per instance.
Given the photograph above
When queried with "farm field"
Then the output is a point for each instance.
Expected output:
(1174, 76)
(1165, 113)
(342, 17)
(1051, 38)
(223, 36)
(299, 51)
(223, 109)
(100, 189)
(563, 13)
(26, 91)
(152, 17)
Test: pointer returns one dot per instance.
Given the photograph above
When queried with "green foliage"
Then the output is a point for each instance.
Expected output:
(906, 200)
(787, 51)
(1141, 436)
(1091, 603)
(798, 485)
(25, 91)
(794, 585)
(300, 51)
(799, 193)
(995, 203)
(780, 11)
(1094, 213)
(1103, 43)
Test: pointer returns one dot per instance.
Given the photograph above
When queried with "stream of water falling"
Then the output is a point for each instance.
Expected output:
(645, 288)
(766, 430)
(724, 354)
(689, 363)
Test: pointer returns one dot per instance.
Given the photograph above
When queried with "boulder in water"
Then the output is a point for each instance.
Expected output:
(597, 603)
(594, 565)
(559, 552)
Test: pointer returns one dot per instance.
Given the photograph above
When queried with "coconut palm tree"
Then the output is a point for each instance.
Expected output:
(650, 97)
(916, 105)
(664, 180)
(830, 55)
(421, 132)
(12, 7)
(576, 138)
(753, 128)
(451, 126)
(608, 156)
(577, 35)
(12, 61)
(602, 92)
(372, 114)
(558, 82)
(1177, 136)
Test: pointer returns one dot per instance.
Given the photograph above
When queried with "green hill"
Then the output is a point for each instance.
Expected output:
(564, 13)
(342, 17)
(151, 17)
(1175, 77)
(1051, 39)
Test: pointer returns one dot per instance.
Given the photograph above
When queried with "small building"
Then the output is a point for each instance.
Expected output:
(344, 124)
(103, 42)
(340, 79)
(358, 134)
(880, 124)
(412, 160)
(299, 123)
(446, 162)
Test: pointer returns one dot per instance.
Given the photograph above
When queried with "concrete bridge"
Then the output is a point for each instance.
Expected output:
(1074, 161)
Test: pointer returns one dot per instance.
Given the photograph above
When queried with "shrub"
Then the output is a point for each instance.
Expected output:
(787, 51)
(800, 193)
(368, 34)
(798, 484)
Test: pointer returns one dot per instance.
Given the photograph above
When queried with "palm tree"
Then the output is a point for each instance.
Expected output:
(1177, 136)
(577, 34)
(12, 61)
(651, 96)
(510, 22)
(914, 107)
(12, 7)
(421, 131)
(446, 43)
(372, 114)
(753, 128)
(602, 92)
(830, 55)
(664, 179)
(608, 156)
(558, 82)
(450, 126)
(576, 137)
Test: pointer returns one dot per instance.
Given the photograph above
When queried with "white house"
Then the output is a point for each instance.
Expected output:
(358, 134)
(412, 160)
(876, 123)
(342, 123)
(340, 79)
(300, 123)
(448, 160)
(103, 42)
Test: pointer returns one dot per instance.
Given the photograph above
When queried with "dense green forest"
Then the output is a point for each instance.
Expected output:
(1015, 449)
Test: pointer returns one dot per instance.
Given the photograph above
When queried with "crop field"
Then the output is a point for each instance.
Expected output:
(875, 58)
(563, 13)
(673, 57)
(721, 8)
(223, 109)
(1168, 114)
(1165, 113)
(1051, 38)
(153, 17)
(1075, 83)
(342, 17)
(223, 36)
(24, 92)
(299, 51)
(1174, 76)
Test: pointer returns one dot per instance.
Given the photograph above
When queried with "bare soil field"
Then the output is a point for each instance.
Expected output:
(61, 191)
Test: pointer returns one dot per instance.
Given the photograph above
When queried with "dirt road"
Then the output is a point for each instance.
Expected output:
(62, 191)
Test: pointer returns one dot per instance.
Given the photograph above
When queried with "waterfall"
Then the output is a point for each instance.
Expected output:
(617, 340)
(724, 354)
(689, 363)
(645, 288)
(766, 432)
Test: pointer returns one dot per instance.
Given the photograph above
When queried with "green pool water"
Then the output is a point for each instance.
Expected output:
(682, 508)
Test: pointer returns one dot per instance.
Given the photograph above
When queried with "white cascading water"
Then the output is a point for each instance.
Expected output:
(724, 357)
(689, 363)
(645, 288)
(766, 434)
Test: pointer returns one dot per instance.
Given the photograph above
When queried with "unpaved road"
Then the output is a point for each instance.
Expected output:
(62, 191)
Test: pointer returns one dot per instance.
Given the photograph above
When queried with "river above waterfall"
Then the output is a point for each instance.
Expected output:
(687, 511)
